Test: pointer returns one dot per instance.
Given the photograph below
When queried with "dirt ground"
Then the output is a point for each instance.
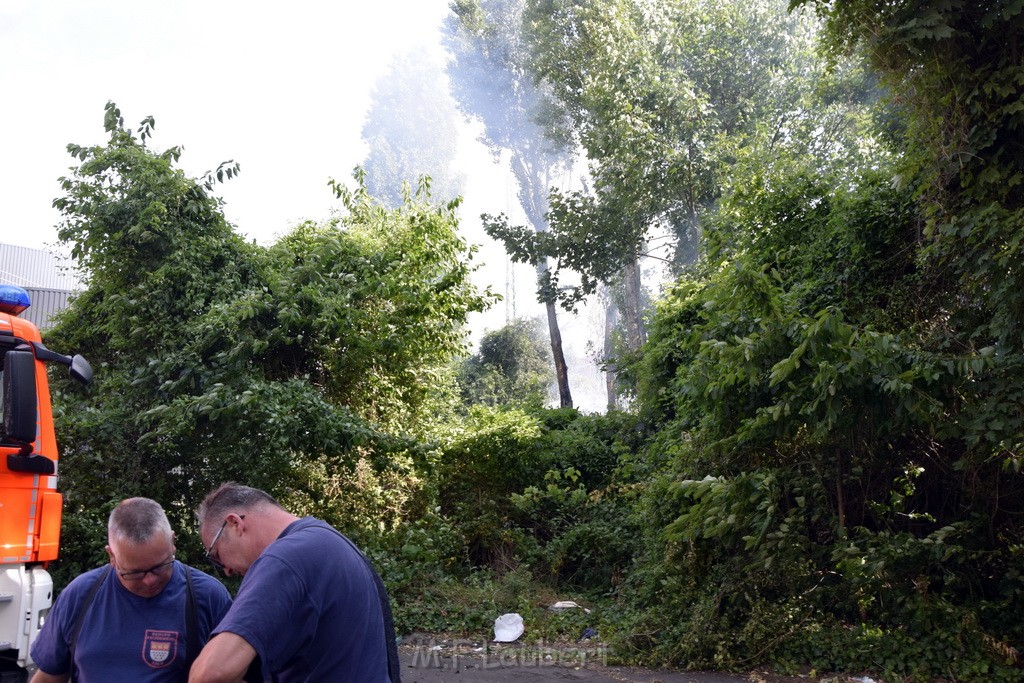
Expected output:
(432, 660)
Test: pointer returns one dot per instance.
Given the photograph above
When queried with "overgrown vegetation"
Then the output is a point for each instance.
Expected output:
(821, 462)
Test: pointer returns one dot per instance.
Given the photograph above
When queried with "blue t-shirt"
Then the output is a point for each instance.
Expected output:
(309, 607)
(126, 637)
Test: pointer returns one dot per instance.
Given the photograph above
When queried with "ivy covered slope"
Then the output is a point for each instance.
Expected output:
(300, 368)
(837, 388)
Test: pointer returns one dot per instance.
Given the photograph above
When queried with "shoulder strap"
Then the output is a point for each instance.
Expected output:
(394, 670)
(390, 643)
(191, 621)
(83, 609)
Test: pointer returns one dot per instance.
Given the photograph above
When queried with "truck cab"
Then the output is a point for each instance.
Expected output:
(30, 505)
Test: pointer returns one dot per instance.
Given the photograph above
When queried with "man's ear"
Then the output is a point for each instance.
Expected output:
(236, 521)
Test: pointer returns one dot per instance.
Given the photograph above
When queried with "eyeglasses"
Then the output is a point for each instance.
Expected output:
(140, 574)
(210, 557)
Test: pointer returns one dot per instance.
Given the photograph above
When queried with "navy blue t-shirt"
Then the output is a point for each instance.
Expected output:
(309, 607)
(126, 637)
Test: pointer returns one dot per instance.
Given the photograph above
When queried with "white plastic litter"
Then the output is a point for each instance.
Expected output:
(563, 605)
(508, 627)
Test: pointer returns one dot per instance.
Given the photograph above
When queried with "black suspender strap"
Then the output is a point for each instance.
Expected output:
(82, 611)
(191, 620)
(394, 668)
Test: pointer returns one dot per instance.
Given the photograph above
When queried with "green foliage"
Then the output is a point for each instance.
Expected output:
(220, 360)
(950, 647)
(931, 600)
(434, 590)
(492, 455)
(829, 236)
(423, 563)
(809, 483)
(662, 105)
(960, 62)
(569, 526)
(374, 303)
(512, 366)
(585, 538)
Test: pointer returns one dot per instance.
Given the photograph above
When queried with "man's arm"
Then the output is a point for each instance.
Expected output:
(225, 659)
(43, 677)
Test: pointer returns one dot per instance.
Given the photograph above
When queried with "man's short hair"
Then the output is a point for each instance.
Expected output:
(232, 497)
(137, 521)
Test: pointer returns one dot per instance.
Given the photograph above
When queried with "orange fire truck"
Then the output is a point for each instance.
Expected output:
(30, 506)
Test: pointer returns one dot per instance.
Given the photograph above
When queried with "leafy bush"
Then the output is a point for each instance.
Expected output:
(493, 455)
(512, 367)
(298, 368)
(816, 468)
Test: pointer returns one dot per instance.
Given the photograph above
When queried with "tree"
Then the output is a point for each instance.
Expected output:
(962, 65)
(845, 373)
(490, 82)
(512, 366)
(412, 131)
(661, 102)
(810, 447)
(216, 359)
(962, 161)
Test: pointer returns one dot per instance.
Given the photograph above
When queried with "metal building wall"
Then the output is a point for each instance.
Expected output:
(27, 267)
(49, 286)
(46, 303)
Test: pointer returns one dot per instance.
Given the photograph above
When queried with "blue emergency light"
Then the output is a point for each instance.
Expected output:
(13, 299)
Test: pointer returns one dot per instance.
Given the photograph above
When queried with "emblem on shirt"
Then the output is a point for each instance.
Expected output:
(159, 648)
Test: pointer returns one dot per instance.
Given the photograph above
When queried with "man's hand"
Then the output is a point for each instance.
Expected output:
(225, 659)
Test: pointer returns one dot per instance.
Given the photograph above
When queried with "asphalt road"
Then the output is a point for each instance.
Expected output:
(470, 662)
(486, 670)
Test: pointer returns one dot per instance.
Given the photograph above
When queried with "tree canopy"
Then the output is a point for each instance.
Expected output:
(512, 366)
(223, 360)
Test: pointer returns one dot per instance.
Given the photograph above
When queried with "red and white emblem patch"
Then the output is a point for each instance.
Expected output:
(159, 648)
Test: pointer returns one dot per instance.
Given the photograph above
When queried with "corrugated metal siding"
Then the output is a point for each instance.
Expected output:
(27, 267)
(46, 303)
(41, 273)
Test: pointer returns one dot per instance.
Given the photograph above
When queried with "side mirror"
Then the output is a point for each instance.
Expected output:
(19, 389)
(80, 369)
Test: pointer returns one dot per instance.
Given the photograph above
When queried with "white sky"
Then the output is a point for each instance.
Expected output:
(281, 88)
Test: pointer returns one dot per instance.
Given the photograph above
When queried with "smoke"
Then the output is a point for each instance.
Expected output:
(469, 121)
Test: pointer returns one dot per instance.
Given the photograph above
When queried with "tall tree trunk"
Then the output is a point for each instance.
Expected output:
(533, 187)
(840, 495)
(561, 369)
(633, 316)
(611, 319)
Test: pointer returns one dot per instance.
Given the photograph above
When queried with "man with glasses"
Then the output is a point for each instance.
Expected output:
(143, 617)
(310, 608)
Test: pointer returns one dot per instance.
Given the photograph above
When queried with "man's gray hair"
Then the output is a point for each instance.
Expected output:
(137, 520)
(231, 497)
